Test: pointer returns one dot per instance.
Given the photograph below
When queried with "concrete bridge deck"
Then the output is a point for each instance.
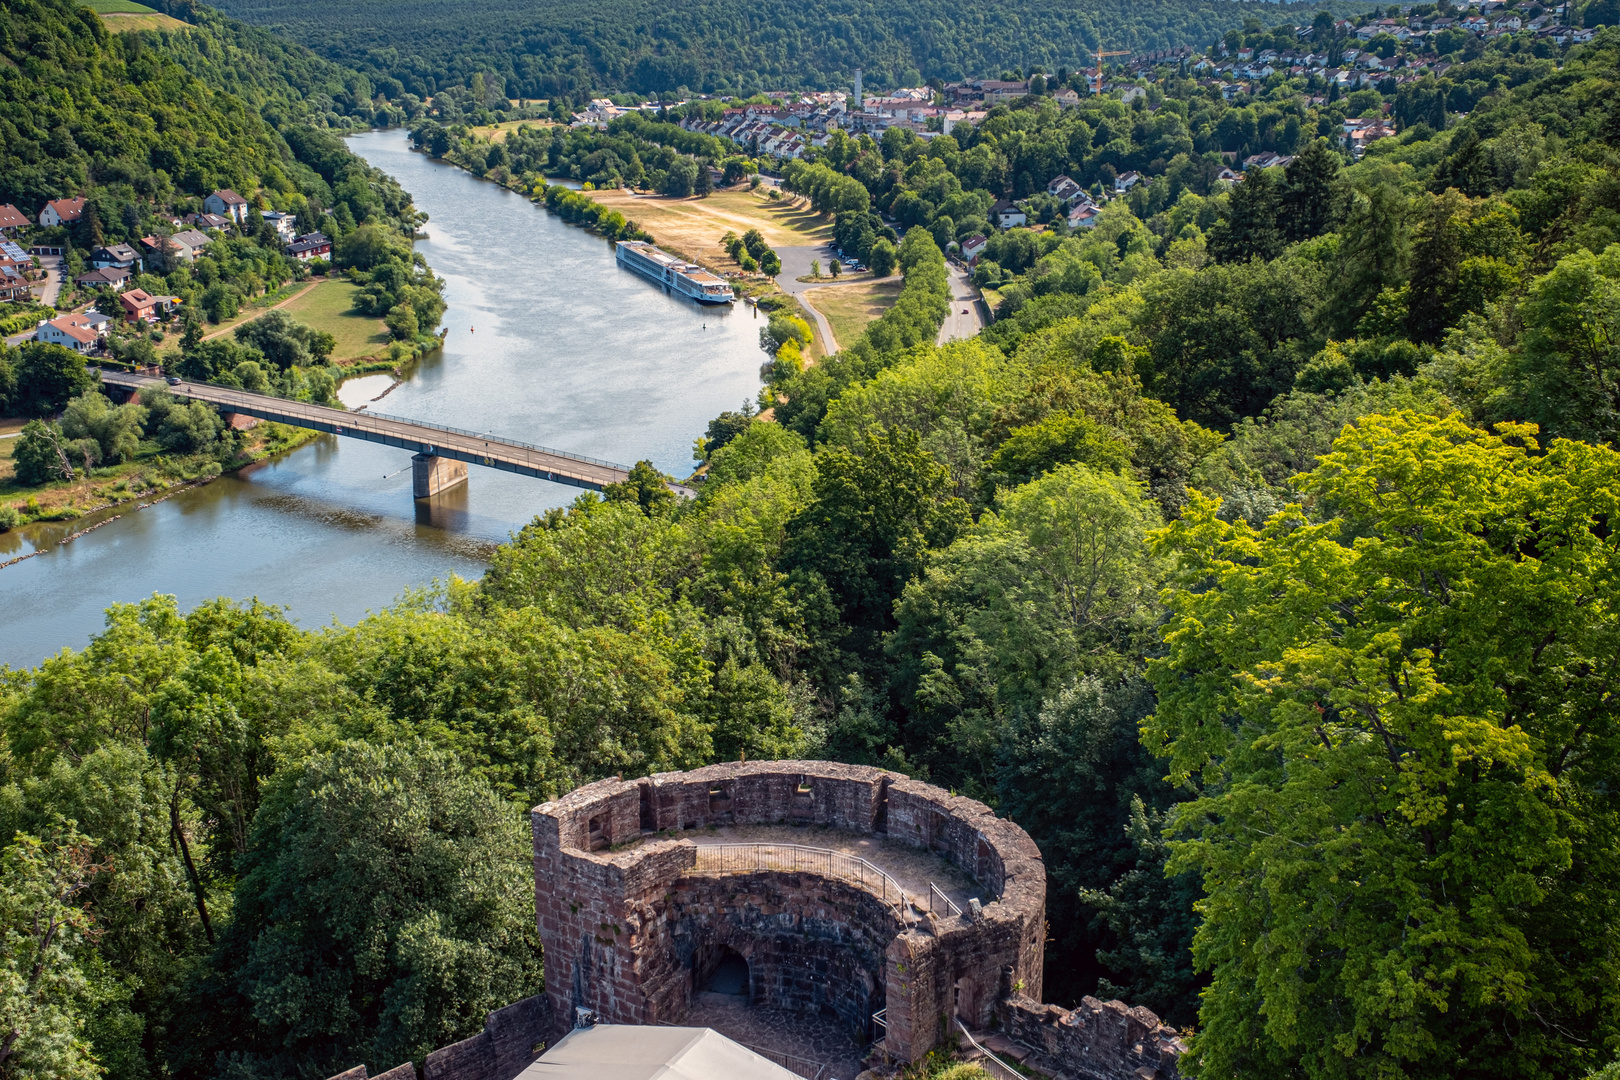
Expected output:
(426, 440)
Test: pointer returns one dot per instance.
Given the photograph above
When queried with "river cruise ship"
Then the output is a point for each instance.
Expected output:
(684, 277)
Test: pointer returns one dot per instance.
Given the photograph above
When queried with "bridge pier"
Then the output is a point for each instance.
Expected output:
(431, 474)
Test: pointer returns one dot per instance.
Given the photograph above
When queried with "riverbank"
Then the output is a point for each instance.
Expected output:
(152, 473)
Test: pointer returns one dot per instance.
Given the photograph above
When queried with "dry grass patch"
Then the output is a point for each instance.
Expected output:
(850, 307)
(120, 23)
(694, 226)
(497, 132)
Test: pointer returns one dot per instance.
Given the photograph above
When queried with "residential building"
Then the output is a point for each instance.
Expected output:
(972, 248)
(1128, 94)
(228, 204)
(1126, 181)
(11, 219)
(13, 282)
(183, 245)
(139, 306)
(284, 224)
(310, 246)
(1083, 216)
(110, 277)
(1064, 188)
(121, 256)
(62, 212)
(70, 331)
(1266, 159)
(208, 221)
(1008, 215)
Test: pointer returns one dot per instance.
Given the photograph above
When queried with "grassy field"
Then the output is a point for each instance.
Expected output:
(850, 307)
(694, 226)
(123, 15)
(497, 132)
(329, 306)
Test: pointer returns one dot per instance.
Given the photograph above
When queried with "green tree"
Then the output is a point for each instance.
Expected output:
(1310, 199)
(385, 907)
(1250, 228)
(48, 376)
(645, 487)
(882, 258)
(116, 429)
(42, 929)
(1373, 252)
(41, 454)
(878, 508)
(369, 247)
(1398, 726)
(1567, 374)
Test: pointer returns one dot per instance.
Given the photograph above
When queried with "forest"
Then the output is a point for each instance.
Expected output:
(1257, 560)
(570, 50)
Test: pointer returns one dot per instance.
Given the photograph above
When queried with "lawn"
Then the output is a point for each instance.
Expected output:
(329, 306)
(118, 7)
(694, 226)
(850, 307)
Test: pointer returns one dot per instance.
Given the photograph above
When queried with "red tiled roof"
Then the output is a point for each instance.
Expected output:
(67, 209)
(11, 218)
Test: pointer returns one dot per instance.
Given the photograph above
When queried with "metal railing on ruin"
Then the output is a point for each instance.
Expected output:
(790, 858)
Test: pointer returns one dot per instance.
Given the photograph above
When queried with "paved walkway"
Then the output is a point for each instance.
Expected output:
(796, 264)
(912, 868)
(799, 1036)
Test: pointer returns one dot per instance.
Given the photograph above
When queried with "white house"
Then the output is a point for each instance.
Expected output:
(1007, 215)
(70, 331)
(62, 212)
(1126, 181)
(285, 224)
(227, 203)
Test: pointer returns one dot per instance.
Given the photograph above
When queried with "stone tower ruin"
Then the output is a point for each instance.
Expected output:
(838, 890)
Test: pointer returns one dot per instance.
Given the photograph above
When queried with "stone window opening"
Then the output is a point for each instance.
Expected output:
(596, 835)
(803, 808)
(649, 813)
(719, 801)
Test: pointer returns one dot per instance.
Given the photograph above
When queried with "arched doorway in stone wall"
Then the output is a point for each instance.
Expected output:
(725, 972)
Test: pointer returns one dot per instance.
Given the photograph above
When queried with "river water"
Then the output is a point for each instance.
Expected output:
(549, 342)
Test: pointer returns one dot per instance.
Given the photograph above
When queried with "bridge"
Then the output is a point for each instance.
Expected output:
(441, 454)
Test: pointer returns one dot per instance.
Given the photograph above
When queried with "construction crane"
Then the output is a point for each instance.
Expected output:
(1099, 54)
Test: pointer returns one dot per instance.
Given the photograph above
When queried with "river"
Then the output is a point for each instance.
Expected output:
(549, 342)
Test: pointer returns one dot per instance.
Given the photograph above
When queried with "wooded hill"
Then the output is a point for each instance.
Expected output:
(569, 49)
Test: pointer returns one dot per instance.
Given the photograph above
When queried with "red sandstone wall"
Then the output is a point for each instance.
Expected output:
(623, 929)
(1098, 1041)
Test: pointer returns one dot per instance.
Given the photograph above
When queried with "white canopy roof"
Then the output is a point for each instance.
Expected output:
(635, 1052)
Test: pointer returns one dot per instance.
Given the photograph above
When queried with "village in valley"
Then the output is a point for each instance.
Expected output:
(42, 273)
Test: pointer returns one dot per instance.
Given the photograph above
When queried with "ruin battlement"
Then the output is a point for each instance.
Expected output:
(633, 924)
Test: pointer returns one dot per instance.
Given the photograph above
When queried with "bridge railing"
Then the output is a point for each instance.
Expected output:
(358, 420)
(788, 858)
(502, 439)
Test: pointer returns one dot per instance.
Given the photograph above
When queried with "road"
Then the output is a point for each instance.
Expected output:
(478, 449)
(796, 264)
(968, 315)
(52, 265)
